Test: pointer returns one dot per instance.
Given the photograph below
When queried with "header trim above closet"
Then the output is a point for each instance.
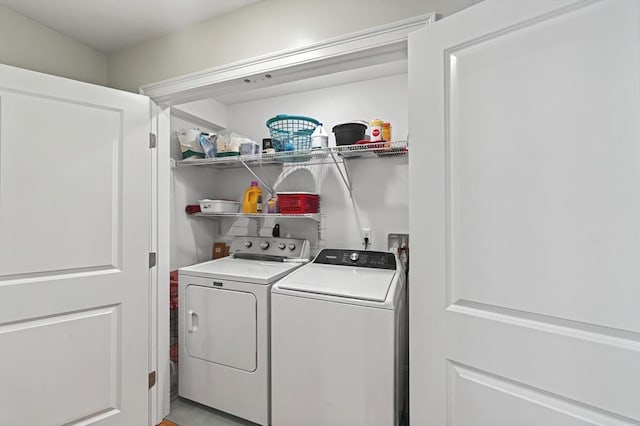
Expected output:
(386, 43)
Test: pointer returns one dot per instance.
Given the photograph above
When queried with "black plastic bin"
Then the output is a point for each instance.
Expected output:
(349, 133)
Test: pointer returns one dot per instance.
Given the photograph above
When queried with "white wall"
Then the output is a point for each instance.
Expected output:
(191, 238)
(265, 27)
(380, 185)
(385, 98)
(27, 44)
(380, 201)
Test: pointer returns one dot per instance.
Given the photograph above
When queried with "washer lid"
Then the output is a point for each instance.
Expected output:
(341, 281)
(245, 270)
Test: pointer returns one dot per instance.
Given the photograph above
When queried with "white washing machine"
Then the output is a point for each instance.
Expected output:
(224, 324)
(339, 349)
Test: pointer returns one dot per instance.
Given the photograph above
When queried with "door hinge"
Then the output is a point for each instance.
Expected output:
(152, 259)
(152, 379)
(153, 142)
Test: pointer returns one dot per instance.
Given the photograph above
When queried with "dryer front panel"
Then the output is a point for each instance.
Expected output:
(221, 326)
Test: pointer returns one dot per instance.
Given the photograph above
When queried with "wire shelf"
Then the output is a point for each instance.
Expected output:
(311, 216)
(316, 156)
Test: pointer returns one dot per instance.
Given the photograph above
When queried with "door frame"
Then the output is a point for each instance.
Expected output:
(159, 395)
(372, 46)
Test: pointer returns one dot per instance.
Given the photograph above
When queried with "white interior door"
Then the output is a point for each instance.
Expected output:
(74, 242)
(525, 215)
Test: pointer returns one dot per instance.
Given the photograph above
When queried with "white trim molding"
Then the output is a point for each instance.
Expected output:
(382, 40)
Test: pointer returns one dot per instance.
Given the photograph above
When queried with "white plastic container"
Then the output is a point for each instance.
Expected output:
(190, 143)
(219, 206)
(376, 130)
(319, 138)
(249, 148)
(228, 145)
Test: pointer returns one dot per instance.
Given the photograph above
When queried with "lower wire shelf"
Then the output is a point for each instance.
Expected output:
(311, 216)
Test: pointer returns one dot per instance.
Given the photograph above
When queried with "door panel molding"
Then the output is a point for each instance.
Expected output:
(32, 277)
(568, 411)
(518, 26)
(623, 339)
(42, 181)
(79, 378)
(451, 117)
(502, 184)
(59, 99)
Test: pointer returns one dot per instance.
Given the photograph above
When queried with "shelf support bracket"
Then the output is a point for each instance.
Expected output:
(345, 175)
(264, 185)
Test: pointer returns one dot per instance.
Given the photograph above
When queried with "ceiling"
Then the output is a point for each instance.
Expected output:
(110, 25)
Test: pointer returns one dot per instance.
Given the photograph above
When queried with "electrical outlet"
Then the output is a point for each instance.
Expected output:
(366, 236)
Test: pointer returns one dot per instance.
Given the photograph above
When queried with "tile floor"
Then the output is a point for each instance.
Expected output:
(188, 413)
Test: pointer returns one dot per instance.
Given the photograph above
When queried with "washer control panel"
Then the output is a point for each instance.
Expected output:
(359, 258)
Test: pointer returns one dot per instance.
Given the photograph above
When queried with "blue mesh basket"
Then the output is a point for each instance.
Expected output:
(291, 132)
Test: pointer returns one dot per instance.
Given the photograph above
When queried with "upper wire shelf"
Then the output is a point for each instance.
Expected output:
(315, 156)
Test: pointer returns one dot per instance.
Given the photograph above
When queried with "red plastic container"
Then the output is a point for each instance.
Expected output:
(173, 352)
(173, 289)
(298, 202)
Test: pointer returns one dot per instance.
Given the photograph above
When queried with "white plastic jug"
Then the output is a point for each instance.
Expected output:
(319, 138)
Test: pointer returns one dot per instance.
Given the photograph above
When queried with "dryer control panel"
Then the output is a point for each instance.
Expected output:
(270, 248)
(359, 258)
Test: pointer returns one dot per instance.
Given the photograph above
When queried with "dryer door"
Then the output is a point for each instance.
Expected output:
(221, 326)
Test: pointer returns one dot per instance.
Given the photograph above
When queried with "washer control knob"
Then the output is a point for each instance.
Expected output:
(354, 256)
(292, 246)
(248, 244)
(264, 245)
(282, 246)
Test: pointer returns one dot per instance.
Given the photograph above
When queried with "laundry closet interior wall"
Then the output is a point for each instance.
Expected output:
(379, 198)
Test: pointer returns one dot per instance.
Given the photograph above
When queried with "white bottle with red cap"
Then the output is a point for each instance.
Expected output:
(376, 130)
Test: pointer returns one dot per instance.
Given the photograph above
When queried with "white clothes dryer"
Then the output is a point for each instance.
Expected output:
(224, 324)
(339, 349)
